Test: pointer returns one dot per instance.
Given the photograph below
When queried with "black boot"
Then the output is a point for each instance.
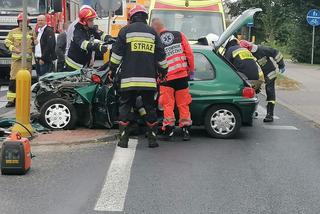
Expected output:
(186, 133)
(167, 133)
(10, 104)
(124, 134)
(152, 134)
(269, 116)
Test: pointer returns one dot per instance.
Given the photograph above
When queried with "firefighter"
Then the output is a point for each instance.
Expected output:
(139, 51)
(264, 55)
(242, 60)
(14, 44)
(85, 41)
(175, 90)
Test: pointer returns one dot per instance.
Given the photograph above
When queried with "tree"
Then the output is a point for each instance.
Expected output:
(283, 22)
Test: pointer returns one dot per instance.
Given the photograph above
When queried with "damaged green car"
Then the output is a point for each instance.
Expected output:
(222, 101)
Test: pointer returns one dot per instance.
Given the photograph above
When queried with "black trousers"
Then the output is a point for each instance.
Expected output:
(177, 84)
(128, 101)
(12, 86)
(270, 89)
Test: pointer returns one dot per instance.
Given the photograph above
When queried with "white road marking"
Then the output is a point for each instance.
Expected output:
(280, 127)
(262, 112)
(10, 114)
(114, 191)
(3, 101)
(3, 88)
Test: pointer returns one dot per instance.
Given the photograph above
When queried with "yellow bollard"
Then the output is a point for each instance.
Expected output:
(23, 96)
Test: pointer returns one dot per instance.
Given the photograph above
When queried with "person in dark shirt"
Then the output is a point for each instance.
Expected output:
(61, 48)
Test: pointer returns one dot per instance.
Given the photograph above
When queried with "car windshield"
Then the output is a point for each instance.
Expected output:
(193, 24)
(9, 6)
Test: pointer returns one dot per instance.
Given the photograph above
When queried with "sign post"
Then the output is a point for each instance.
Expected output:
(313, 18)
(250, 26)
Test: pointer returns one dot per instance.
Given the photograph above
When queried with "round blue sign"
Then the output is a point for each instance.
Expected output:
(313, 17)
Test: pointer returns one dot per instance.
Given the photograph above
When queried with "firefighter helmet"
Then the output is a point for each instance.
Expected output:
(85, 14)
(249, 45)
(246, 44)
(20, 18)
(137, 9)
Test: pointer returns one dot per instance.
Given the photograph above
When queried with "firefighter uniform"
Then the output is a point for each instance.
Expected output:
(14, 40)
(243, 61)
(82, 45)
(176, 89)
(264, 56)
(139, 51)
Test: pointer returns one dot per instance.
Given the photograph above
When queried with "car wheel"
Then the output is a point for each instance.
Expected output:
(58, 114)
(222, 121)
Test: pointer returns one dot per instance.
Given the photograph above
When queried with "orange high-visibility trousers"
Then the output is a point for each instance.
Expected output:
(183, 100)
(168, 98)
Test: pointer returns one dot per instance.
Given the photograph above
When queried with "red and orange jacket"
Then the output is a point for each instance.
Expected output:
(180, 57)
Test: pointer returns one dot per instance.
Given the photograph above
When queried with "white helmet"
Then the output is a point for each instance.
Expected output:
(85, 6)
(211, 39)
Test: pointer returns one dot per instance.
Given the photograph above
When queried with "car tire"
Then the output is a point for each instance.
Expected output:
(222, 121)
(58, 114)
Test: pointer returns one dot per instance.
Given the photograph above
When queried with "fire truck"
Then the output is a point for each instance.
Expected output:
(57, 12)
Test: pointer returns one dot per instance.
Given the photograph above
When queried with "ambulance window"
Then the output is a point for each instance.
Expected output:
(203, 68)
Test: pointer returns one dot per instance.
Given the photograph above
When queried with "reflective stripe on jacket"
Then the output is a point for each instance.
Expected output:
(14, 40)
(179, 54)
(141, 53)
(264, 55)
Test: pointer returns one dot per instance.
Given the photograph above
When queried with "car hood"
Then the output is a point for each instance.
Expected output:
(242, 20)
(59, 75)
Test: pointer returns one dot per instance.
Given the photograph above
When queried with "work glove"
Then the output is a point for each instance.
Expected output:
(110, 76)
(191, 75)
(103, 67)
(282, 70)
(103, 48)
(162, 76)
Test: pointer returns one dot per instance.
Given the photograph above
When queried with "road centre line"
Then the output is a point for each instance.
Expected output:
(114, 191)
(277, 127)
(4, 88)
(3, 101)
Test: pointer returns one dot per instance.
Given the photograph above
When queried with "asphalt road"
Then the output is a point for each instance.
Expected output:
(268, 169)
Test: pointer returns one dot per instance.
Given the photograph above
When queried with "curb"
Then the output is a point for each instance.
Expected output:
(299, 113)
(104, 139)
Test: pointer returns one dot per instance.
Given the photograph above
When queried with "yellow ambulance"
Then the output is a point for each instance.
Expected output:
(195, 18)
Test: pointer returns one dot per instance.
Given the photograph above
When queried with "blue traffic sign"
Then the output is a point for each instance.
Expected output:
(250, 24)
(313, 17)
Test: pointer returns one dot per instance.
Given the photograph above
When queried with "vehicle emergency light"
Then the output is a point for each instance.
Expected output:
(248, 92)
(16, 155)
